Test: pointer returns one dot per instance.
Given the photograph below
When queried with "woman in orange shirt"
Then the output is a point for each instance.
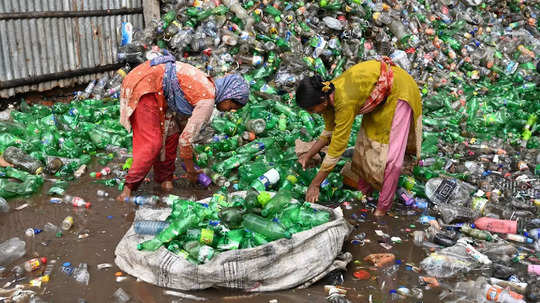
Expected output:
(167, 103)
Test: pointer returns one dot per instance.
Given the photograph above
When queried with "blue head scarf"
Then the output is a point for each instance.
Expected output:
(232, 87)
(176, 100)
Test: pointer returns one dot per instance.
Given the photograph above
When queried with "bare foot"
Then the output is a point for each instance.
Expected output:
(379, 213)
(125, 194)
(167, 185)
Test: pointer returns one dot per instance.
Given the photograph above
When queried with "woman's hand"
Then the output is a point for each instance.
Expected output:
(312, 194)
(304, 160)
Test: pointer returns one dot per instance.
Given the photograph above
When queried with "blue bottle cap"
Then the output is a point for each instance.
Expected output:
(472, 225)
(66, 264)
(398, 261)
(393, 291)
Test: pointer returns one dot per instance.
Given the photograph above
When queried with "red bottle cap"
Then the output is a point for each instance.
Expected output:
(88, 204)
(43, 260)
(362, 274)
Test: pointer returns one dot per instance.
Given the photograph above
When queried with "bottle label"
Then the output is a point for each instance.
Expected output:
(493, 293)
(479, 204)
(445, 190)
(68, 220)
(77, 201)
(264, 181)
(325, 183)
(34, 264)
(207, 236)
(68, 270)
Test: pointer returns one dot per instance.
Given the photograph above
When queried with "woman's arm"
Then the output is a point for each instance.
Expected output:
(201, 114)
(340, 137)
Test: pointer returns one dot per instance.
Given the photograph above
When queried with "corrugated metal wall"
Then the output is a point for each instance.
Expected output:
(39, 46)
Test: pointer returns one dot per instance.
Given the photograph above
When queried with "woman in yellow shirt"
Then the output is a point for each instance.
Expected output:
(389, 100)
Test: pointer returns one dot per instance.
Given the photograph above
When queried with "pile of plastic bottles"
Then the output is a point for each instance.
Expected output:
(198, 231)
(58, 141)
(474, 60)
(259, 140)
(476, 188)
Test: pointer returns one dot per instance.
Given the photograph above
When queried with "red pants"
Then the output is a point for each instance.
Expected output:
(147, 141)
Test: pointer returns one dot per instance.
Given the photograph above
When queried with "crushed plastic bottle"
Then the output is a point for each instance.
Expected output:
(11, 250)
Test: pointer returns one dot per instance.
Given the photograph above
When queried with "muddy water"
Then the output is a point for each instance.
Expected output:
(107, 221)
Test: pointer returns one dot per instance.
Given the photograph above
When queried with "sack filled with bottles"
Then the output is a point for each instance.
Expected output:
(247, 240)
(198, 231)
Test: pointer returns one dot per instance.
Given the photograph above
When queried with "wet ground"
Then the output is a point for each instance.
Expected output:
(107, 220)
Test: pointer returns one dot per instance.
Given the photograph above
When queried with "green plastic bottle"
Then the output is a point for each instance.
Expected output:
(265, 181)
(233, 162)
(311, 217)
(475, 233)
(284, 109)
(223, 126)
(276, 204)
(289, 216)
(176, 228)
(307, 121)
(202, 235)
(268, 228)
(250, 201)
(256, 146)
(199, 252)
(231, 217)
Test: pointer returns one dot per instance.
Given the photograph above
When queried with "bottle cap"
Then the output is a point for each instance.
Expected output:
(66, 264)
(43, 260)
(87, 204)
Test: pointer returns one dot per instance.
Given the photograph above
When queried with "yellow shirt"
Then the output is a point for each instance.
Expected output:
(352, 88)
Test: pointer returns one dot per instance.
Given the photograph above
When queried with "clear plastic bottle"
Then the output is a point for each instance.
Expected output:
(81, 274)
(116, 81)
(102, 193)
(87, 91)
(4, 206)
(67, 223)
(483, 292)
(34, 264)
(452, 191)
(99, 89)
(11, 250)
(21, 160)
(49, 268)
(143, 200)
(121, 296)
(235, 7)
(76, 201)
(148, 227)
(256, 126)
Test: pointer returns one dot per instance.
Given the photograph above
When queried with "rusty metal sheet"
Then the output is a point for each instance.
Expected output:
(39, 46)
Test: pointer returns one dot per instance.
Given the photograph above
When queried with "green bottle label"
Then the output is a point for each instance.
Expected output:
(207, 236)
(479, 204)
